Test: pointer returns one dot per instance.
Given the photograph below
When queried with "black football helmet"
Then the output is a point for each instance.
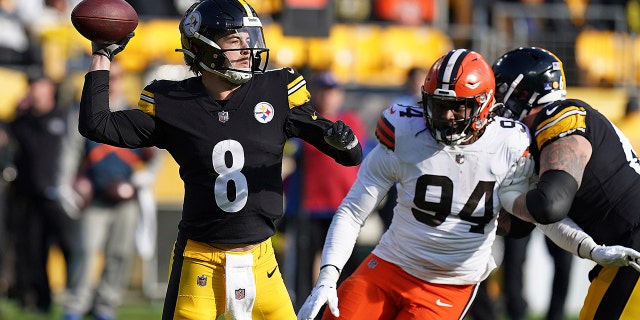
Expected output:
(205, 22)
(525, 78)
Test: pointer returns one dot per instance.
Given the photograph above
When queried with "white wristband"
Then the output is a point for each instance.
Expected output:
(329, 274)
(585, 247)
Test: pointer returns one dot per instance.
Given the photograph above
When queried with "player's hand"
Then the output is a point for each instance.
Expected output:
(520, 171)
(340, 136)
(323, 292)
(616, 256)
(110, 50)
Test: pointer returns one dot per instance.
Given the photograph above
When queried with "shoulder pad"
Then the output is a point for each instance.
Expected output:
(558, 120)
(147, 102)
(391, 118)
(296, 88)
(509, 139)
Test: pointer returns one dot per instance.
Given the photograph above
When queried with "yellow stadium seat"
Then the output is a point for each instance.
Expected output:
(284, 51)
(155, 42)
(351, 52)
(405, 47)
(61, 43)
(604, 57)
(12, 90)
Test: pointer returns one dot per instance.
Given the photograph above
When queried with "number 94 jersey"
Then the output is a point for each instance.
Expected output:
(444, 222)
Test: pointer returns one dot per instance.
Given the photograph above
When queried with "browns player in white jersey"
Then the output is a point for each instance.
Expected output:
(448, 161)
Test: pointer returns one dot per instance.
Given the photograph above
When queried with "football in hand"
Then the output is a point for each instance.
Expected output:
(104, 21)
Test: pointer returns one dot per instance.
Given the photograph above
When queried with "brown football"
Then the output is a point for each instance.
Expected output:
(104, 21)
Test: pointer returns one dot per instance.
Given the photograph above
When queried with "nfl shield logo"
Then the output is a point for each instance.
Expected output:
(202, 280)
(460, 158)
(223, 116)
(239, 294)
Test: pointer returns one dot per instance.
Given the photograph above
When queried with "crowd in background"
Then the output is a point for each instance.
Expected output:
(34, 209)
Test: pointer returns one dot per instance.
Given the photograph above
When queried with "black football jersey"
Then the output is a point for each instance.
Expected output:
(229, 153)
(607, 204)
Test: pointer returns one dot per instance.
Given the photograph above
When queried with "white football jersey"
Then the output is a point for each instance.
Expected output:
(445, 219)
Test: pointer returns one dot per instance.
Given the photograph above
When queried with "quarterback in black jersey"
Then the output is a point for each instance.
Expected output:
(226, 128)
(588, 171)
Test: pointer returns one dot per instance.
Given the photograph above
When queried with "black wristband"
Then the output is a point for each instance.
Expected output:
(330, 265)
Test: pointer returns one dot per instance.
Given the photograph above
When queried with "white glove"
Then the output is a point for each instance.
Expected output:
(516, 182)
(609, 256)
(616, 256)
(323, 292)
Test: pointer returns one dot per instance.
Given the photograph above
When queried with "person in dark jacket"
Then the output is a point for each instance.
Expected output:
(37, 220)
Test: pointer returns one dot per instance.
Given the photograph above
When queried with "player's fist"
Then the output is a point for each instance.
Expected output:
(340, 136)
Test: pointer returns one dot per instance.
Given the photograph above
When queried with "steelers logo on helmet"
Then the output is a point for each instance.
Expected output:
(191, 23)
(263, 112)
(209, 30)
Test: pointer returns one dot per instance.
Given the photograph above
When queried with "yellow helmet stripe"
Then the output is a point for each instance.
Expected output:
(247, 8)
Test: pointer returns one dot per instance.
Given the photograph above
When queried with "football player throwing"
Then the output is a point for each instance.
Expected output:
(226, 128)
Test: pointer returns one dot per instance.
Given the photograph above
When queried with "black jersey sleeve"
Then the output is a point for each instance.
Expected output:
(307, 124)
(125, 128)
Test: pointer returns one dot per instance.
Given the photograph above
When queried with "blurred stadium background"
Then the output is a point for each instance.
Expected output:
(370, 45)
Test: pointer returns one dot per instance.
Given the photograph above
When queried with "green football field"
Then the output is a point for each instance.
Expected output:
(138, 310)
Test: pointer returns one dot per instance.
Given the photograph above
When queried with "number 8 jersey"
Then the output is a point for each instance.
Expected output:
(445, 219)
(229, 152)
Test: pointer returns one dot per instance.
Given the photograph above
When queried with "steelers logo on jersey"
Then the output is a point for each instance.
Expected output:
(263, 112)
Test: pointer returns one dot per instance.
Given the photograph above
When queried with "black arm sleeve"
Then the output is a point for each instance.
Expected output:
(309, 126)
(126, 128)
(551, 201)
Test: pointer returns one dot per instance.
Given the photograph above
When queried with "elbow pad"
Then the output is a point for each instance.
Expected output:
(552, 199)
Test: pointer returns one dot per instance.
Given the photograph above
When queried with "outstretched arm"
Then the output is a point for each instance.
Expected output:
(570, 237)
(375, 178)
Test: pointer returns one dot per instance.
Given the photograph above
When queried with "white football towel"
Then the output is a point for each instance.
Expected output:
(240, 287)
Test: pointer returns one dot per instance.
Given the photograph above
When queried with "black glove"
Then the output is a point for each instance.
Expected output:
(340, 136)
(110, 50)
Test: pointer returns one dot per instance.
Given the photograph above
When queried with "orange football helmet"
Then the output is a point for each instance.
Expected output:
(457, 96)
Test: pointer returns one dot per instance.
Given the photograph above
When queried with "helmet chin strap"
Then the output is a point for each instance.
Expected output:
(235, 77)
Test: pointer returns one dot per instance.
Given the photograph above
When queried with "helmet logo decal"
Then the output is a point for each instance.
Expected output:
(191, 23)
(251, 22)
(263, 112)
